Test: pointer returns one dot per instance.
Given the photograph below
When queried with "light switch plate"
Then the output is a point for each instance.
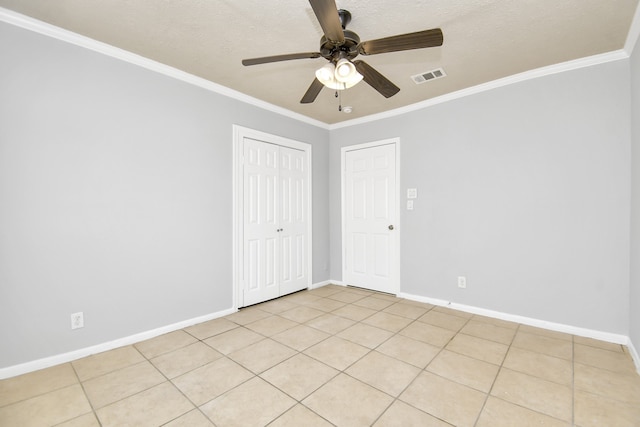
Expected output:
(412, 193)
(409, 205)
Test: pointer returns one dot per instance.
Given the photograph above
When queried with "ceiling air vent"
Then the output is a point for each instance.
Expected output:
(428, 75)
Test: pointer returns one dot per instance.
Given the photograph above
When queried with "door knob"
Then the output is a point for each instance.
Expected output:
(391, 227)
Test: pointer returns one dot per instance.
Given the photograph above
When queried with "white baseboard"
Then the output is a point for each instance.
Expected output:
(559, 327)
(325, 283)
(634, 355)
(57, 359)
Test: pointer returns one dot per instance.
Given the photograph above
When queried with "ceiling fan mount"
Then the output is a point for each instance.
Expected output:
(338, 44)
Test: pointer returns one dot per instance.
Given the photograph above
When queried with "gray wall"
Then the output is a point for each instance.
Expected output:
(115, 196)
(634, 305)
(522, 189)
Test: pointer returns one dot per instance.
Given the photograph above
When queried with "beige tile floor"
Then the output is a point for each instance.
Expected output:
(338, 356)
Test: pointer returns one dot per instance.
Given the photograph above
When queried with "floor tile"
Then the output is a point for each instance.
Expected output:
(604, 359)
(592, 410)
(464, 370)
(373, 303)
(383, 372)
(302, 314)
(598, 344)
(277, 305)
(164, 343)
(233, 340)
(213, 327)
(416, 353)
(430, 334)
(185, 359)
(605, 383)
(325, 304)
(299, 376)
(299, 416)
(330, 323)
(271, 325)
(211, 380)
(262, 355)
(346, 297)
(194, 418)
(447, 310)
(36, 383)
(406, 310)
(478, 348)
(86, 420)
(534, 393)
(125, 382)
(302, 297)
(255, 402)
(447, 400)
(400, 414)
(153, 407)
(543, 344)
(489, 331)
(334, 401)
(366, 335)
(46, 409)
(108, 361)
(496, 322)
(443, 320)
(388, 321)
(540, 365)
(337, 352)
(300, 337)
(326, 291)
(545, 333)
(499, 413)
(247, 315)
(354, 312)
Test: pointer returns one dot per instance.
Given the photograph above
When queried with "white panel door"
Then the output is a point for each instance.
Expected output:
(370, 218)
(275, 221)
(261, 229)
(293, 220)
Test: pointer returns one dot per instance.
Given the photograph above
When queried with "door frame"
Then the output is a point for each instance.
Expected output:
(396, 208)
(239, 133)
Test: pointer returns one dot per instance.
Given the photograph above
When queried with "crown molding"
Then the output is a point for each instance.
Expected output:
(40, 27)
(516, 78)
(58, 33)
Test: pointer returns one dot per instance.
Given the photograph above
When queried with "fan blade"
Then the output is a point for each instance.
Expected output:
(277, 58)
(417, 40)
(376, 80)
(312, 92)
(327, 14)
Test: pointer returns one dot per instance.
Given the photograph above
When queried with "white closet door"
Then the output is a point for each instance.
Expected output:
(293, 219)
(370, 199)
(275, 221)
(261, 235)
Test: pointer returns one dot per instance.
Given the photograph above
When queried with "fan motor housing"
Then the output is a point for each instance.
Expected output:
(350, 46)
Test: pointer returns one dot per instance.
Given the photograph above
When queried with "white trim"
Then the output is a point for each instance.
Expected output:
(50, 361)
(559, 327)
(634, 32)
(343, 152)
(634, 355)
(40, 27)
(239, 133)
(58, 33)
(516, 78)
(320, 284)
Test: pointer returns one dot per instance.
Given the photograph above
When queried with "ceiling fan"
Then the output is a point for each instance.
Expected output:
(340, 46)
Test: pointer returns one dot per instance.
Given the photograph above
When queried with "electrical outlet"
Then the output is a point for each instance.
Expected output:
(77, 320)
(462, 282)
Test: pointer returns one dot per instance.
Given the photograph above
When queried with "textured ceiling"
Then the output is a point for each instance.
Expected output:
(484, 40)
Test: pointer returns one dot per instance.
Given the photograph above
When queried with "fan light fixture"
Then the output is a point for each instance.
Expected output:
(341, 76)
